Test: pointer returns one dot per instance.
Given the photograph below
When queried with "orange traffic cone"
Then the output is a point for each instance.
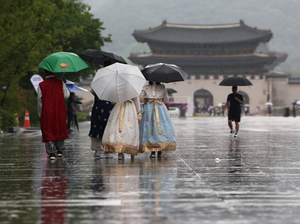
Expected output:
(26, 119)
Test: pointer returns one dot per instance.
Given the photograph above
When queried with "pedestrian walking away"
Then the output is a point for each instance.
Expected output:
(53, 113)
(100, 113)
(233, 107)
(72, 116)
(269, 110)
(121, 134)
(157, 131)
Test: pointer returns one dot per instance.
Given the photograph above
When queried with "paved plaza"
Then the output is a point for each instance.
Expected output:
(210, 178)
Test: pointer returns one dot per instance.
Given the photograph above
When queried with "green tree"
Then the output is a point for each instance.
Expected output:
(30, 32)
(78, 31)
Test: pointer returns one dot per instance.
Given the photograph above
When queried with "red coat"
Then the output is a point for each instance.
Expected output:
(54, 111)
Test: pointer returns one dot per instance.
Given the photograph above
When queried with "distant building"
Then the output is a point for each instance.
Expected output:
(210, 53)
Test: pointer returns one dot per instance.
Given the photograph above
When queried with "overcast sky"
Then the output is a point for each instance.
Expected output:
(277, 15)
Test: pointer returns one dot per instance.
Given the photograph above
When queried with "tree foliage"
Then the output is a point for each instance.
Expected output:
(29, 31)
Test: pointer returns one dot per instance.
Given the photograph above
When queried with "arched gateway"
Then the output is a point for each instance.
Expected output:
(202, 100)
(245, 97)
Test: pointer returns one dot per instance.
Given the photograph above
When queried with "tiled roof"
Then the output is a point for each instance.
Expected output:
(294, 81)
(276, 74)
(145, 59)
(202, 34)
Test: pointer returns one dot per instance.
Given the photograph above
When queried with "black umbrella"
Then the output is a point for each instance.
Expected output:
(161, 72)
(171, 91)
(100, 57)
(235, 81)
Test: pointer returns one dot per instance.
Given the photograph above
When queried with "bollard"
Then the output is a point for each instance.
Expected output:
(17, 119)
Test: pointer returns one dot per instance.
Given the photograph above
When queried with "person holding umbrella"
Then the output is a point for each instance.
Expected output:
(233, 107)
(157, 131)
(51, 99)
(101, 108)
(121, 134)
(53, 113)
(234, 101)
(120, 83)
(100, 113)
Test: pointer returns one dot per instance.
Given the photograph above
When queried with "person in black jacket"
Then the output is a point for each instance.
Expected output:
(233, 106)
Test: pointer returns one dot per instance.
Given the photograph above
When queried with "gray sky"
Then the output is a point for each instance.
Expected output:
(277, 15)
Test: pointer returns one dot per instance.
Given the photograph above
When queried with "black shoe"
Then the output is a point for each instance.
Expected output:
(159, 154)
(52, 156)
(152, 155)
(59, 153)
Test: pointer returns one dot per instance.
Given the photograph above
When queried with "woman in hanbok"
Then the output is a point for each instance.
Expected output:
(121, 134)
(100, 113)
(157, 131)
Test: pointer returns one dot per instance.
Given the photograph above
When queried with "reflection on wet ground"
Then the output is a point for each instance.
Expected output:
(256, 178)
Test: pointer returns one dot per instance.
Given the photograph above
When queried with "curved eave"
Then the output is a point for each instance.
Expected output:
(264, 39)
(198, 26)
(279, 58)
(294, 80)
(276, 74)
(200, 34)
(144, 59)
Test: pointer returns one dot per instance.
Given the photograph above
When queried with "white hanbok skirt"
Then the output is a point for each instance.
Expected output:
(121, 134)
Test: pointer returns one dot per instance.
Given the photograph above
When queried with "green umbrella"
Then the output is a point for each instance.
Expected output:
(63, 62)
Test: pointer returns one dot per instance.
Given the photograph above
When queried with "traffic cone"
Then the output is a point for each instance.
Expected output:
(26, 119)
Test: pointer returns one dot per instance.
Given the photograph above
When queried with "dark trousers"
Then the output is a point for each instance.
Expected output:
(52, 146)
(71, 118)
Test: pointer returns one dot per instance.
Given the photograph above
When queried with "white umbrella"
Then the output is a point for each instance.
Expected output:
(118, 82)
(269, 103)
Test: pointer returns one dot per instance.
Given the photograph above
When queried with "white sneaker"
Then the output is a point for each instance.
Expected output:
(231, 132)
(97, 153)
(236, 135)
(152, 155)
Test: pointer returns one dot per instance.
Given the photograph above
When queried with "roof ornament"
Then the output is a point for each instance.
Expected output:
(164, 22)
(242, 22)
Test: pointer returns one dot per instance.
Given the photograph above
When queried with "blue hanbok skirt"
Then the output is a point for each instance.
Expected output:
(157, 131)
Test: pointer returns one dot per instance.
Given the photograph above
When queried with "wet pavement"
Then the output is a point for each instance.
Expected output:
(210, 178)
